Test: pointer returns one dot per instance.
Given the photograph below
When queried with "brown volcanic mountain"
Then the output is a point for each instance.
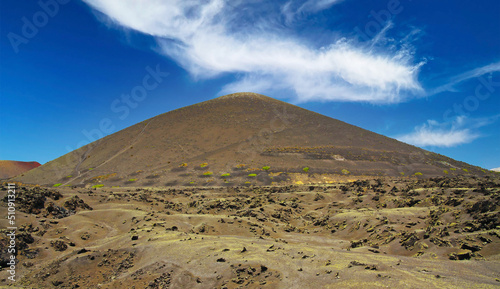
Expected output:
(239, 134)
(9, 169)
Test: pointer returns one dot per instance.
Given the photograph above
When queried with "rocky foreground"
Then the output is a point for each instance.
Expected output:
(400, 233)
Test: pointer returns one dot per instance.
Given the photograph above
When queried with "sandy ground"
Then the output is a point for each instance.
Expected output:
(441, 233)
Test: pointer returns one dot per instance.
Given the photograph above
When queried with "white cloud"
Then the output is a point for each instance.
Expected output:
(296, 8)
(438, 134)
(496, 169)
(477, 72)
(208, 39)
(428, 136)
(317, 5)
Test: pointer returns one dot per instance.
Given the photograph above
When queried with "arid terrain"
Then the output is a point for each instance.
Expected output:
(239, 134)
(9, 169)
(366, 233)
(245, 191)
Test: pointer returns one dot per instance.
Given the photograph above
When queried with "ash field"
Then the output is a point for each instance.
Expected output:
(436, 233)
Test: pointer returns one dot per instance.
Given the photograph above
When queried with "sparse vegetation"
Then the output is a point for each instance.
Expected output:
(235, 227)
(453, 169)
(68, 177)
(91, 169)
(103, 177)
(397, 216)
(56, 185)
(445, 171)
(465, 170)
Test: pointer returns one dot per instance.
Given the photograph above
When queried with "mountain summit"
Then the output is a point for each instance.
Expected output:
(241, 138)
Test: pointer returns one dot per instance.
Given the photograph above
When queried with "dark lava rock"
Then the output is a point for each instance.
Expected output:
(56, 211)
(464, 255)
(59, 245)
(472, 248)
(75, 202)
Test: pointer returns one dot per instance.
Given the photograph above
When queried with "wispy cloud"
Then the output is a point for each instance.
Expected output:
(297, 8)
(208, 39)
(426, 135)
(435, 134)
(454, 81)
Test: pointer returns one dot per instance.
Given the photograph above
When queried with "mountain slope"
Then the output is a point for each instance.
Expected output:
(235, 130)
(9, 169)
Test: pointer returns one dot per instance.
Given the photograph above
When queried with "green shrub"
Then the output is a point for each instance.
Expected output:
(97, 186)
(68, 177)
(203, 165)
(418, 174)
(402, 173)
(345, 172)
(91, 169)
(183, 165)
(56, 185)
(252, 175)
(266, 168)
(306, 169)
(225, 175)
(207, 173)
(465, 170)
(132, 180)
(445, 171)
(453, 169)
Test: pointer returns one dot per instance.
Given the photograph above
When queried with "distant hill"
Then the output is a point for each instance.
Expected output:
(224, 140)
(9, 169)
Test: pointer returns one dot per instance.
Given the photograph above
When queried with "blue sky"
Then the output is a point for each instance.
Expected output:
(424, 72)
